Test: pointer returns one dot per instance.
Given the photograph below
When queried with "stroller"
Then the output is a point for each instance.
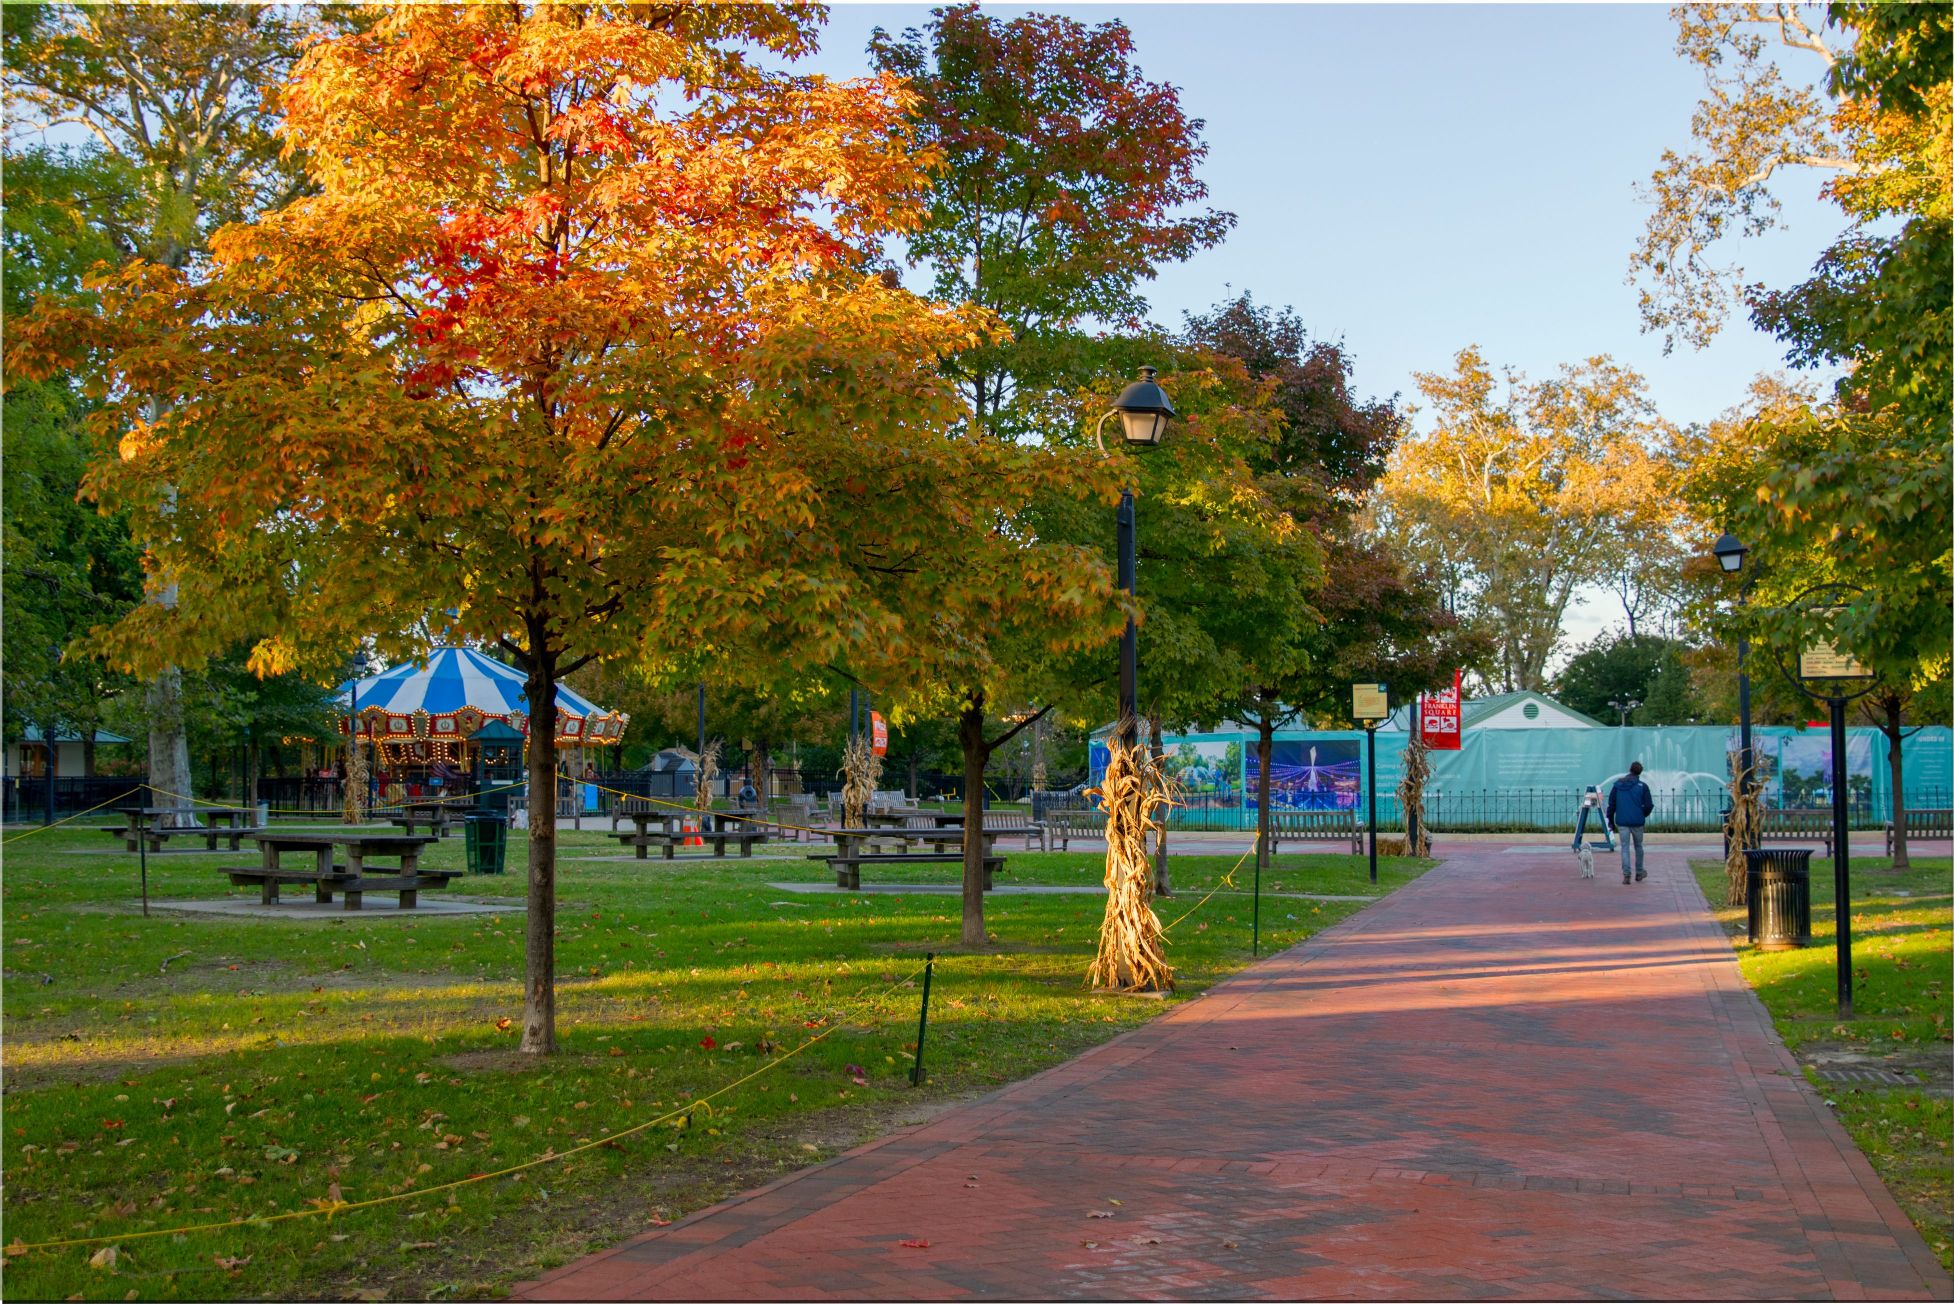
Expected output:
(1589, 809)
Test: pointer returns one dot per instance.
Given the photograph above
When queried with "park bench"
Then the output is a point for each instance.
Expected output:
(668, 843)
(1018, 824)
(1934, 824)
(342, 880)
(848, 868)
(1798, 824)
(1061, 826)
(1314, 826)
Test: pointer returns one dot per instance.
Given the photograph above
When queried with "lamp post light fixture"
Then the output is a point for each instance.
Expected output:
(1143, 410)
(1624, 705)
(1730, 553)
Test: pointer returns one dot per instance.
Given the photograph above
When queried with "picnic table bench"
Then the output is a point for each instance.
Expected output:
(642, 837)
(352, 880)
(1931, 823)
(1315, 826)
(946, 848)
(227, 822)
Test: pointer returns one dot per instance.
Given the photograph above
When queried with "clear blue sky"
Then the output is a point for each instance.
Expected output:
(1415, 178)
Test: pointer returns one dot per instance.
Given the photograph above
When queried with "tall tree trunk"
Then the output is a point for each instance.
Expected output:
(1265, 746)
(915, 787)
(88, 751)
(169, 747)
(1162, 885)
(253, 764)
(976, 757)
(1891, 728)
(762, 759)
(539, 946)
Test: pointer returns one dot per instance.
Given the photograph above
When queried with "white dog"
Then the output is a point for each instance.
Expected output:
(1586, 853)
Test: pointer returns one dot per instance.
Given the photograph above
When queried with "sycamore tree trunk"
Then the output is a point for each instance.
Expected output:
(1265, 746)
(169, 747)
(761, 761)
(539, 948)
(1162, 885)
(1891, 728)
(976, 758)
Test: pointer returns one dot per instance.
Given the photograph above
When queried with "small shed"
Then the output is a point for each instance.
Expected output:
(27, 757)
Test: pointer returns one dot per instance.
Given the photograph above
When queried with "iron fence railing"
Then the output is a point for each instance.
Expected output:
(1504, 810)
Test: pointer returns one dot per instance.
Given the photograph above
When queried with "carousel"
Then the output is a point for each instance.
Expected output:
(459, 722)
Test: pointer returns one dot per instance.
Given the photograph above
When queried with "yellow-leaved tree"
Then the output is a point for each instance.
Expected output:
(577, 351)
(1521, 492)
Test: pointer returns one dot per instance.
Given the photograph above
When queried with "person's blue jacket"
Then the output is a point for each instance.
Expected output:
(1629, 802)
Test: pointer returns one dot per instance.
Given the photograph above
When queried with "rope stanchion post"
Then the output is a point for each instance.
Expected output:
(142, 853)
(1255, 914)
(923, 1021)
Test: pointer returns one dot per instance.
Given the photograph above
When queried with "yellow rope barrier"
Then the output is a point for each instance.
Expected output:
(1227, 880)
(71, 818)
(332, 1208)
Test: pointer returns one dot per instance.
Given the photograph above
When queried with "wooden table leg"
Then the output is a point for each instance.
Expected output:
(356, 866)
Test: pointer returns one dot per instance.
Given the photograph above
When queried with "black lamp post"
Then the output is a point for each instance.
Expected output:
(1144, 411)
(1730, 554)
(1624, 705)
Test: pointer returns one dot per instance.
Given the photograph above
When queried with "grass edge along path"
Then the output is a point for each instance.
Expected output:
(231, 1075)
(1903, 949)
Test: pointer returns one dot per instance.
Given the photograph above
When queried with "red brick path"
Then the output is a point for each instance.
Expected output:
(1501, 1082)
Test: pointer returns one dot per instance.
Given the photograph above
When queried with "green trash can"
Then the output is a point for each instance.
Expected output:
(485, 834)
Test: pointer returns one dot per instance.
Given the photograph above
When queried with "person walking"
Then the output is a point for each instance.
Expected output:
(1629, 805)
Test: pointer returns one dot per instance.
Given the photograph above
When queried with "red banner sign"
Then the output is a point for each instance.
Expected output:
(1438, 718)
(878, 734)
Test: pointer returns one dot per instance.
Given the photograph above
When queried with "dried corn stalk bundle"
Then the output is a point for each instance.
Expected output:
(1132, 947)
(1411, 797)
(708, 771)
(355, 794)
(861, 770)
(1746, 813)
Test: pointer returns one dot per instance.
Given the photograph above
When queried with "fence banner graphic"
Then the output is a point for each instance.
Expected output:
(1439, 717)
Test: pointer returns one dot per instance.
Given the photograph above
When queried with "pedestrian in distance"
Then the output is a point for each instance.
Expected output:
(1629, 805)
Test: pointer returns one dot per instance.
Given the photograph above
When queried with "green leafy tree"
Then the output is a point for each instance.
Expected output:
(181, 141)
(1645, 668)
(1066, 179)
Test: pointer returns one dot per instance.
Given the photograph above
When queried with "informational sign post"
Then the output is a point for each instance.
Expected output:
(1370, 703)
(1438, 719)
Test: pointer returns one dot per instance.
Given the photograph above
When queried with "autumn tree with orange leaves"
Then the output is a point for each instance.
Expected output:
(575, 351)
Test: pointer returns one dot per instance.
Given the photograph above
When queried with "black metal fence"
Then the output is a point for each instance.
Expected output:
(23, 800)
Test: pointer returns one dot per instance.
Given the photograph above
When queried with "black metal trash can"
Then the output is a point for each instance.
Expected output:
(1778, 894)
(485, 835)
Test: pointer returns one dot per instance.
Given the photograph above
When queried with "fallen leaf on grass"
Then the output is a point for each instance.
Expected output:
(230, 1264)
(105, 1258)
(16, 1248)
(420, 1245)
(915, 1245)
(707, 1042)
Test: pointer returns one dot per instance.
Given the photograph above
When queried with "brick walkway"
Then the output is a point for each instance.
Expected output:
(1501, 1082)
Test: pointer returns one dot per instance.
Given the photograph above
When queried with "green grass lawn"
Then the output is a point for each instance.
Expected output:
(1902, 956)
(186, 1069)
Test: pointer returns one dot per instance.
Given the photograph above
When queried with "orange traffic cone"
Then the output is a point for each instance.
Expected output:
(692, 827)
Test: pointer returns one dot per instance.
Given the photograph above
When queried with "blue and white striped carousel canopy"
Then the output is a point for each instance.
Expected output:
(459, 689)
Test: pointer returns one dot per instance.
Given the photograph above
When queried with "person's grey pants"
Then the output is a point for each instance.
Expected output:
(1630, 835)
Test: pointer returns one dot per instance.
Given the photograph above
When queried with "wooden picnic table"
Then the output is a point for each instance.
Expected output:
(718, 830)
(353, 879)
(227, 822)
(945, 846)
(439, 816)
